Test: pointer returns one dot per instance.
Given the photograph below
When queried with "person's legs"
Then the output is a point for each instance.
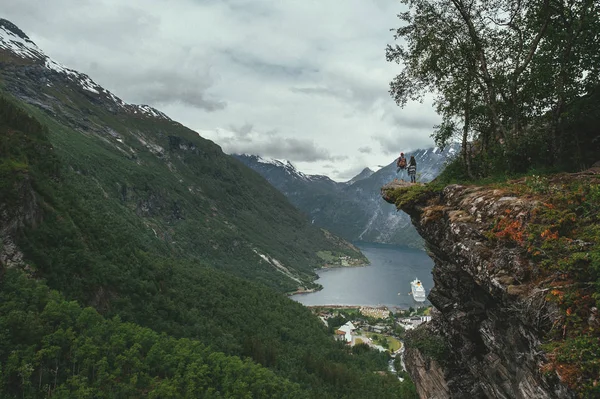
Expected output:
(400, 173)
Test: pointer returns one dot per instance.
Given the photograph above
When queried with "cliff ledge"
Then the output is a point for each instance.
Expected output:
(506, 308)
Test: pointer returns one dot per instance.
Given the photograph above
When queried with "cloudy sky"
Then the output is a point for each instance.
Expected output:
(303, 80)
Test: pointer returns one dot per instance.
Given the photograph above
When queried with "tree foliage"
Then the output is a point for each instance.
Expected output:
(505, 74)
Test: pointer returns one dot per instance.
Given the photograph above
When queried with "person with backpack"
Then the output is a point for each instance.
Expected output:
(401, 164)
(412, 169)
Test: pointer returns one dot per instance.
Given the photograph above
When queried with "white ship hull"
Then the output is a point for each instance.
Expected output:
(418, 291)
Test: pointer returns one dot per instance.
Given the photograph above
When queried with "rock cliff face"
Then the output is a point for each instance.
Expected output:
(489, 302)
(12, 219)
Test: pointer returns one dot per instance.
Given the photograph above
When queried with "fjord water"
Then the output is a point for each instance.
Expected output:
(386, 281)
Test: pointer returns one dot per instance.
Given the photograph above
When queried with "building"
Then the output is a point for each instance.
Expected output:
(347, 331)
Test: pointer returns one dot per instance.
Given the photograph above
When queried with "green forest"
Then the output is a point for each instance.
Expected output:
(106, 306)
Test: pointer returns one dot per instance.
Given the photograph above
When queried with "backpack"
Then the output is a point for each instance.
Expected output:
(401, 163)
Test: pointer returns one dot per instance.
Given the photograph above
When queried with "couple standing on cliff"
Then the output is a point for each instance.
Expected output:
(411, 169)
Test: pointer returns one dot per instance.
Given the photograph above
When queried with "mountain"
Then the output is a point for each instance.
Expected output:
(366, 172)
(137, 259)
(182, 188)
(353, 210)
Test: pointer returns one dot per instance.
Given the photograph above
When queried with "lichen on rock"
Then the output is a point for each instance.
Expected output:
(490, 293)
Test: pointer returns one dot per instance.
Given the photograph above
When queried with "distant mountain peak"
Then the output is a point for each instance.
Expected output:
(17, 43)
(365, 173)
(283, 166)
(14, 29)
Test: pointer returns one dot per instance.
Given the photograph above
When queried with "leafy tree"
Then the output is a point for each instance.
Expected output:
(498, 69)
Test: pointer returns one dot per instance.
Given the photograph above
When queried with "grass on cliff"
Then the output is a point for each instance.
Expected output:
(406, 197)
(562, 238)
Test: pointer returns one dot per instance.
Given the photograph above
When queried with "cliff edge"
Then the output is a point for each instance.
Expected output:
(515, 269)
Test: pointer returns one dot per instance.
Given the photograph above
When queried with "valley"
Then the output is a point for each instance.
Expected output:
(354, 209)
(129, 240)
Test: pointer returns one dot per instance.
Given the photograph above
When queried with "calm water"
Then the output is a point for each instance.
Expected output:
(391, 270)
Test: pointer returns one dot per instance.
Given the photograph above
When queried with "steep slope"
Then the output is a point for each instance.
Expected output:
(201, 203)
(353, 210)
(516, 287)
(117, 207)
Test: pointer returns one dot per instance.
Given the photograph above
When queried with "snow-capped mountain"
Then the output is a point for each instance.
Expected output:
(366, 172)
(17, 47)
(301, 189)
(353, 210)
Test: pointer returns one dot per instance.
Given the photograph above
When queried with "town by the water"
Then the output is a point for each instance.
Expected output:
(380, 327)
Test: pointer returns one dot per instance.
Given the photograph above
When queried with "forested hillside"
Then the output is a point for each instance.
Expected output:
(139, 260)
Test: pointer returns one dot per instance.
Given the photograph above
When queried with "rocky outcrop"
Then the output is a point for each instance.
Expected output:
(491, 307)
(12, 219)
(425, 369)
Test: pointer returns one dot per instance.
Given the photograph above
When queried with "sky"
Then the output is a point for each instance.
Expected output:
(301, 80)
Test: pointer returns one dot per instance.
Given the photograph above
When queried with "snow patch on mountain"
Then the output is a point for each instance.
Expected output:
(17, 43)
(285, 165)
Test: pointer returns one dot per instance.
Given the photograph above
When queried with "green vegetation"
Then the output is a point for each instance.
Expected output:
(393, 344)
(427, 343)
(186, 199)
(406, 197)
(334, 259)
(517, 83)
(167, 271)
(51, 347)
(563, 238)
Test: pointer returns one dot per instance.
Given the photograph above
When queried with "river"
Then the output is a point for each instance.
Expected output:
(386, 281)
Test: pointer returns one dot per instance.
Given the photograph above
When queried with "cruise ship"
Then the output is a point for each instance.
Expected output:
(418, 292)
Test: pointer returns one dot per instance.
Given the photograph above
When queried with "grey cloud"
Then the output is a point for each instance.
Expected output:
(414, 122)
(361, 95)
(339, 157)
(388, 145)
(365, 150)
(265, 68)
(117, 26)
(242, 130)
(297, 150)
(393, 145)
(322, 91)
(168, 87)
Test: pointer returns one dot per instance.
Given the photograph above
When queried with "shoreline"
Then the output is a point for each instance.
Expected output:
(335, 266)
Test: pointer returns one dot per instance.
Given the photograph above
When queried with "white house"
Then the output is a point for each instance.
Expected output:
(348, 330)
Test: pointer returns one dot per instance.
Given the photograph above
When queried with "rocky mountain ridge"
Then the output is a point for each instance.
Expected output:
(29, 61)
(364, 174)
